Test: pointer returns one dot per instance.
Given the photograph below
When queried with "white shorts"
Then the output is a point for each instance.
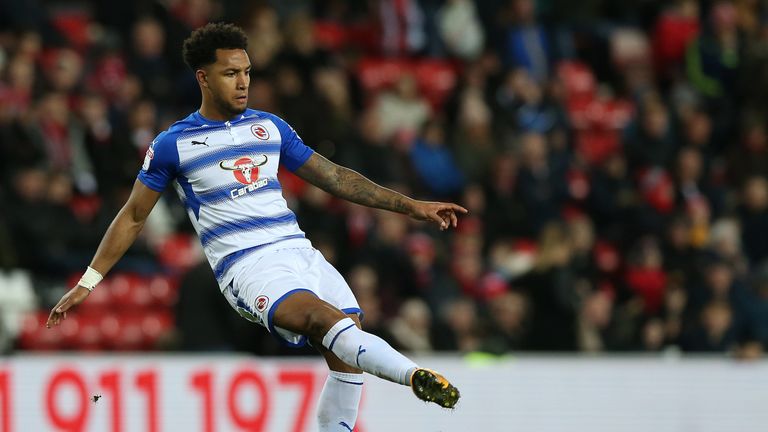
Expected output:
(262, 283)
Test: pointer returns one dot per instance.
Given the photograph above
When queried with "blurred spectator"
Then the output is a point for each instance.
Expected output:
(675, 303)
(460, 29)
(749, 157)
(551, 290)
(473, 136)
(509, 313)
(508, 215)
(148, 58)
(645, 276)
(680, 255)
(713, 57)
(725, 242)
(693, 187)
(715, 330)
(759, 305)
(697, 134)
(264, 27)
(650, 140)
(582, 237)
(63, 70)
(410, 329)
(541, 182)
(402, 112)
(527, 44)
(434, 162)
(113, 159)
(364, 282)
(521, 102)
(594, 320)
(402, 27)
(29, 217)
(753, 216)
(432, 280)
(384, 250)
(301, 50)
(460, 327)
(337, 100)
(371, 154)
(674, 29)
(613, 197)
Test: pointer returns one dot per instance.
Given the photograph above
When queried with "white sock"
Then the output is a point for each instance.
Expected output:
(337, 408)
(368, 352)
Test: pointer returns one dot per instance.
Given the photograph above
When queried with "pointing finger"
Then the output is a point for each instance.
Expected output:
(458, 208)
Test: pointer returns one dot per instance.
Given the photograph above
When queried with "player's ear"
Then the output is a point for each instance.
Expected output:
(202, 77)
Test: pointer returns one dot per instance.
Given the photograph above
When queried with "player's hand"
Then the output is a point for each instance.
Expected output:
(443, 214)
(73, 297)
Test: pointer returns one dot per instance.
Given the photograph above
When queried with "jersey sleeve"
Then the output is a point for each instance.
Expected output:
(161, 163)
(293, 151)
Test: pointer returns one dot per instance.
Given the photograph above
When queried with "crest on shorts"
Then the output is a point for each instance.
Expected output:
(261, 303)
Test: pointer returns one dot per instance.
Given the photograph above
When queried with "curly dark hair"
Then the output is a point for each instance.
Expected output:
(200, 47)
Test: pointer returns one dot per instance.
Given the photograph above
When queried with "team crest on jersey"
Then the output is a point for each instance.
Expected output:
(246, 171)
(261, 303)
(260, 132)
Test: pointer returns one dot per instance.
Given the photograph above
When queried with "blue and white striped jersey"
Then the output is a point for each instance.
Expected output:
(226, 175)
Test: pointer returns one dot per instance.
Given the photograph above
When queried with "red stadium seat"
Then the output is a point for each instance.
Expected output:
(329, 35)
(129, 291)
(75, 26)
(376, 74)
(109, 327)
(127, 331)
(436, 79)
(133, 331)
(364, 35)
(163, 290)
(179, 252)
(154, 327)
(88, 336)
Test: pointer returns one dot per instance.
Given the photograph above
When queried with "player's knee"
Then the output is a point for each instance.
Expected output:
(320, 320)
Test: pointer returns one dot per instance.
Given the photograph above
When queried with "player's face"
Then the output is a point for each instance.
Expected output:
(228, 80)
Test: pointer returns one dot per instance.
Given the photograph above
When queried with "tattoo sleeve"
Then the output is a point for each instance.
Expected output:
(351, 185)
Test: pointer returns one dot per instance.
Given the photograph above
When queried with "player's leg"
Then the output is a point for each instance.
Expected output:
(325, 325)
(340, 398)
(302, 312)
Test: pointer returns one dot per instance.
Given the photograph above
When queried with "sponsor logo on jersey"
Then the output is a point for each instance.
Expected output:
(246, 171)
(260, 132)
(148, 157)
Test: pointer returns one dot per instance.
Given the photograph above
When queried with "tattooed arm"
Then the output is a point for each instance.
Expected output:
(352, 186)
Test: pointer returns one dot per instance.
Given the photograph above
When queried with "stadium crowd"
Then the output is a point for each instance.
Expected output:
(613, 155)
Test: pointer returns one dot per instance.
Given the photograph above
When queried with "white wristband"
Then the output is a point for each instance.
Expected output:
(90, 279)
